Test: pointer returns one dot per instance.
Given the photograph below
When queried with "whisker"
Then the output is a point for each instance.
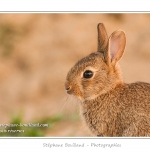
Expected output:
(69, 104)
(64, 100)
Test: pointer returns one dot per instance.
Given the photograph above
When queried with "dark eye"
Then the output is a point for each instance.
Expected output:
(88, 74)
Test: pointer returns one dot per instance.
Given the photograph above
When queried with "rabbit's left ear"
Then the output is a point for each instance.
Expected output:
(116, 46)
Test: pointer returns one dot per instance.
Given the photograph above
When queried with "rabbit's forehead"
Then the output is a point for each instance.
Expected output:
(92, 62)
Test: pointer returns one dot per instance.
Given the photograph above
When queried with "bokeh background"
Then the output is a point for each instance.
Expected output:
(37, 51)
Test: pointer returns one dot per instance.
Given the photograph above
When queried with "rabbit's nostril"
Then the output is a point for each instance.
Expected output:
(68, 88)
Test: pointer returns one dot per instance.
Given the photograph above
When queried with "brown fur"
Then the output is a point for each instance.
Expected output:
(109, 107)
(123, 111)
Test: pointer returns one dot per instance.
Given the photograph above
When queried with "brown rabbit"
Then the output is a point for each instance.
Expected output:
(109, 106)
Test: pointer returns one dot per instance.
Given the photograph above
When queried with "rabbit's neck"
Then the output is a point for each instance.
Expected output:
(98, 114)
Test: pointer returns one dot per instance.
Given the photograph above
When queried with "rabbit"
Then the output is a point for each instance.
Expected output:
(109, 107)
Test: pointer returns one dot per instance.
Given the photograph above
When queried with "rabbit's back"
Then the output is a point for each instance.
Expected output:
(123, 111)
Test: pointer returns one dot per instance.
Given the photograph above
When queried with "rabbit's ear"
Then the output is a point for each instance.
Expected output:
(116, 45)
(102, 38)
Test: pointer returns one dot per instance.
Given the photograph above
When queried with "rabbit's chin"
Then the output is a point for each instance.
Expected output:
(77, 97)
(85, 97)
(88, 98)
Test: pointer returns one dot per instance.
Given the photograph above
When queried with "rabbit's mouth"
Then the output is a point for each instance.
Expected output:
(69, 92)
(73, 90)
(76, 95)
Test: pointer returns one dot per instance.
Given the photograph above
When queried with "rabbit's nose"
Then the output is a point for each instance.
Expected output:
(67, 87)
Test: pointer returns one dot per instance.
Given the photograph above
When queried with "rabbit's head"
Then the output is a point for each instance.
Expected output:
(98, 72)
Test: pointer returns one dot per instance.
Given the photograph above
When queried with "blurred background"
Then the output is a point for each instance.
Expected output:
(37, 51)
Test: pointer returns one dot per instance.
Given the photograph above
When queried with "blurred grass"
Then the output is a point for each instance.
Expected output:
(9, 36)
(116, 16)
(35, 131)
(6, 39)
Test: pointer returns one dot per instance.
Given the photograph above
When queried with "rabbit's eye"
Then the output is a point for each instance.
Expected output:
(88, 74)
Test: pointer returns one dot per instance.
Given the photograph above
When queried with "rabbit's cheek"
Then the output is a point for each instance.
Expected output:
(77, 92)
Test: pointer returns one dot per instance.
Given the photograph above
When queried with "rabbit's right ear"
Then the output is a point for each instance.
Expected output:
(102, 40)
